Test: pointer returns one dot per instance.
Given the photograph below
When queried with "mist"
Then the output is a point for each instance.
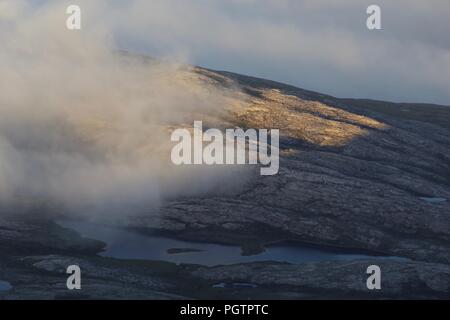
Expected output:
(84, 126)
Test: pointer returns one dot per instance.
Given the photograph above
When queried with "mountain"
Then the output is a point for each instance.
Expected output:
(359, 174)
(353, 173)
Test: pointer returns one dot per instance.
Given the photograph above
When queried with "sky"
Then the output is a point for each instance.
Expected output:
(320, 45)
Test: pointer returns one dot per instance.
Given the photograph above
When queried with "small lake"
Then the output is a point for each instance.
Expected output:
(127, 244)
(434, 200)
(5, 286)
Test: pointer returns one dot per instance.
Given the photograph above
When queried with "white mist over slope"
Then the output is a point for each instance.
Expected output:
(82, 125)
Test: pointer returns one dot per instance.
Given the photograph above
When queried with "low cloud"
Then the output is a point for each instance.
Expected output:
(83, 126)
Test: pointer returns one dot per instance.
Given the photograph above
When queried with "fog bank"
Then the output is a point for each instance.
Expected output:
(84, 126)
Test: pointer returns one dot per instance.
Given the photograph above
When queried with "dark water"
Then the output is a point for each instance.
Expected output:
(434, 200)
(5, 286)
(126, 244)
(235, 285)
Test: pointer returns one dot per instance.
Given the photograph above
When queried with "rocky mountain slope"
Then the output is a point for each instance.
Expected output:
(361, 174)
(350, 176)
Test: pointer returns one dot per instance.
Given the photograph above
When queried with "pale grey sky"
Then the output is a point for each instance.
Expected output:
(321, 45)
